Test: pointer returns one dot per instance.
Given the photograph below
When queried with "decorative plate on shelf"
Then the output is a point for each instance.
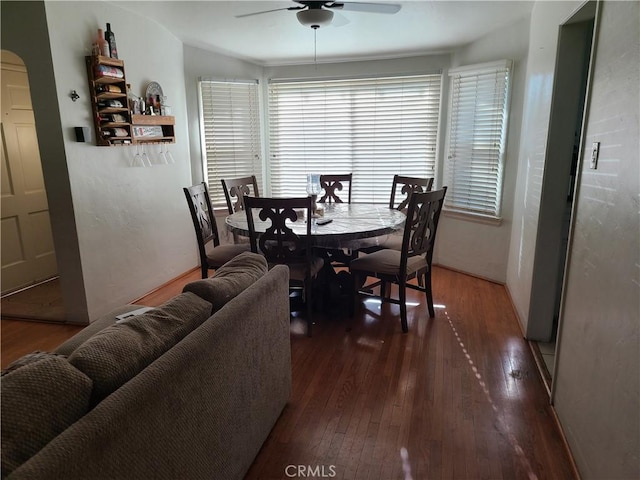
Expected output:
(153, 89)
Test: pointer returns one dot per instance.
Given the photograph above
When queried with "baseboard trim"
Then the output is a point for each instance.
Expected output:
(542, 368)
(486, 279)
(546, 381)
(165, 284)
(565, 443)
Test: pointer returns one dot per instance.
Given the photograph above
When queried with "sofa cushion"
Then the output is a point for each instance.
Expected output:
(42, 395)
(118, 353)
(28, 359)
(230, 279)
(94, 327)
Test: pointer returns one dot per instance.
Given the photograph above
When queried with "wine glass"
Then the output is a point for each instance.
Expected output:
(146, 162)
(137, 158)
(313, 188)
(161, 154)
(168, 155)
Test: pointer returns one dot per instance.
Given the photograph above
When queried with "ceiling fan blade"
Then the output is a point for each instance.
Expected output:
(339, 20)
(268, 11)
(388, 8)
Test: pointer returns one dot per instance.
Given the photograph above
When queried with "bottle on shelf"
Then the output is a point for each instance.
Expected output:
(111, 41)
(103, 46)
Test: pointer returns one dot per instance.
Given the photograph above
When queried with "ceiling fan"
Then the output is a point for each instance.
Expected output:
(314, 13)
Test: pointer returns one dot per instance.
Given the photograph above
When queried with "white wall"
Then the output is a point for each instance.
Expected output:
(134, 230)
(598, 367)
(472, 246)
(543, 40)
(596, 376)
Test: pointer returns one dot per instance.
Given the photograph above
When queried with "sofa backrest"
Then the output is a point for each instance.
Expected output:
(201, 410)
(118, 353)
(102, 359)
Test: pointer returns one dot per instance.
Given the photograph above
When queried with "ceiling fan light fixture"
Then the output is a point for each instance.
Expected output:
(315, 17)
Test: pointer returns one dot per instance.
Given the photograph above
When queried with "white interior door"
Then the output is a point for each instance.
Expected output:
(28, 254)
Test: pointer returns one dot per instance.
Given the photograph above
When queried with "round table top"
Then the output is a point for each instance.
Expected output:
(349, 222)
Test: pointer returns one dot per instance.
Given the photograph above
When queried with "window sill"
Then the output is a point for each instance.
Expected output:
(473, 217)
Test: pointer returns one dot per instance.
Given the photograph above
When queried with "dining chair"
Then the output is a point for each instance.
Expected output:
(412, 261)
(331, 183)
(212, 254)
(235, 189)
(401, 189)
(281, 245)
(407, 186)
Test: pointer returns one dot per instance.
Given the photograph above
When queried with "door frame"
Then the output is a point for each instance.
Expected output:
(550, 256)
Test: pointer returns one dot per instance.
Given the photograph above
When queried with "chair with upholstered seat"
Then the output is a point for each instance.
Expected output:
(281, 245)
(333, 183)
(331, 186)
(406, 186)
(212, 254)
(234, 191)
(401, 189)
(236, 188)
(412, 261)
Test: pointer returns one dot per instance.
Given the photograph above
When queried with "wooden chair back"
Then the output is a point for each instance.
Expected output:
(423, 215)
(236, 188)
(407, 186)
(279, 243)
(204, 221)
(331, 183)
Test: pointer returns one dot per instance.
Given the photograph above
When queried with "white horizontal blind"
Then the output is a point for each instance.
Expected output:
(230, 133)
(371, 127)
(477, 135)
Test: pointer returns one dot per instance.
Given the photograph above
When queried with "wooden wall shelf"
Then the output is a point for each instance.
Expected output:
(108, 118)
(106, 126)
(165, 132)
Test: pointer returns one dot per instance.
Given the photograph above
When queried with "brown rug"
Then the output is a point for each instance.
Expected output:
(40, 302)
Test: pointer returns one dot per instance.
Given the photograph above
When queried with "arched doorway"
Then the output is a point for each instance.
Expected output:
(28, 254)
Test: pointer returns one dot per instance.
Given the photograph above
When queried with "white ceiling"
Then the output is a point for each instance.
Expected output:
(276, 38)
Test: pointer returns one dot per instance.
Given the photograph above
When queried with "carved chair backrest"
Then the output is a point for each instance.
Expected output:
(407, 186)
(279, 243)
(423, 215)
(236, 188)
(202, 216)
(331, 183)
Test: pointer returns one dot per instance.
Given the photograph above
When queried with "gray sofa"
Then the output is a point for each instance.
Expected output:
(129, 401)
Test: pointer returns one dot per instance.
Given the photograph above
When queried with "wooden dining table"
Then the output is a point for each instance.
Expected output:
(349, 226)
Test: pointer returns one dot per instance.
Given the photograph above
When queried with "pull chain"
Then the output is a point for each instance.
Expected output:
(315, 46)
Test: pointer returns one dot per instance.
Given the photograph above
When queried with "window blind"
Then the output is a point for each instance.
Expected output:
(371, 127)
(230, 133)
(477, 136)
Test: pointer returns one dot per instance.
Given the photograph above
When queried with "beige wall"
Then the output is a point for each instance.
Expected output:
(546, 18)
(598, 368)
(595, 384)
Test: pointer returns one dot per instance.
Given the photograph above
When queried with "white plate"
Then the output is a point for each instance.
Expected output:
(153, 89)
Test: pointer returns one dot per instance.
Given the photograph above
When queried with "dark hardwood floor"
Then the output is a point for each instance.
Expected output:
(458, 397)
